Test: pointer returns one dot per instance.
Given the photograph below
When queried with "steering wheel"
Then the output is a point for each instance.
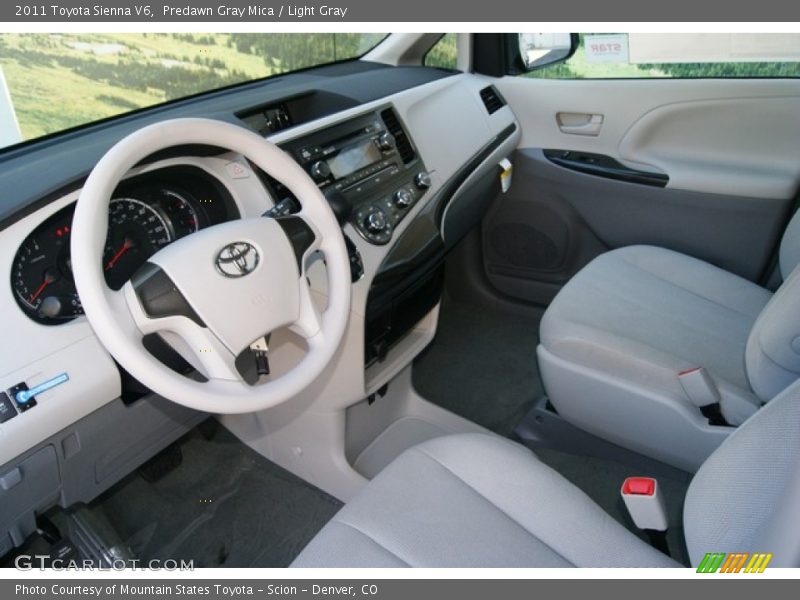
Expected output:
(215, 292)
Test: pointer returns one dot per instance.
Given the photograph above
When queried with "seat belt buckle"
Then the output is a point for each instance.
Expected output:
(645, 503)
(701, 391)
(699, 387)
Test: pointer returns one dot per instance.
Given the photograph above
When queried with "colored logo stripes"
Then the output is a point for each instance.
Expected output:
(734, 562)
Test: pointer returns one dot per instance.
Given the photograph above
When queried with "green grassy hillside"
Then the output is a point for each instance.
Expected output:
(58, 81)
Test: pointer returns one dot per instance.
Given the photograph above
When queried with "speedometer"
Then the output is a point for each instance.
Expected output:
(136, 231)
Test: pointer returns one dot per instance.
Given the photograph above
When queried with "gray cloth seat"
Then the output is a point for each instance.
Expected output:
(648, 313)
(475, 500)
(618, 334)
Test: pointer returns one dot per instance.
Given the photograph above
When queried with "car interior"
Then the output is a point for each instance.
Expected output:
(386, 313)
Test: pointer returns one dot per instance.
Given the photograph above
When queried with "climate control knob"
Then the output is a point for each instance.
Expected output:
(402, 198)
(422, 180)
(320, 170)
(375, 221)
(385, 141)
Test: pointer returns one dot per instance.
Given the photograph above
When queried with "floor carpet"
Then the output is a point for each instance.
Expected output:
(482, 366)
(225, 505)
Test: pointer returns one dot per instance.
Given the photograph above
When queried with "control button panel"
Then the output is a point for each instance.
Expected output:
(377, 221)
(370, 164)
(368, 177)
(373, 223)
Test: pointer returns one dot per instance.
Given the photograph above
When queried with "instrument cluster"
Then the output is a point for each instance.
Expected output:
(145, 214)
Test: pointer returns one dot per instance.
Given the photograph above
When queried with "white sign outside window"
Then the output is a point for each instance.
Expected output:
(714, 47)
(609, 48)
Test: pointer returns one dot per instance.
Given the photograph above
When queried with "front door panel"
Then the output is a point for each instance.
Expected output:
(727, 153)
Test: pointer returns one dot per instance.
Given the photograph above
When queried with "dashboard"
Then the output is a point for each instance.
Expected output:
(399, 152)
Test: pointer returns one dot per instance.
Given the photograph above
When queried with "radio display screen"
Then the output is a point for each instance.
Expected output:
(354, 158)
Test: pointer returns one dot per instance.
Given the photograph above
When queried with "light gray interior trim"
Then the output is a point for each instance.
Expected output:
(632, 415)
(739, 137)
(737, 234)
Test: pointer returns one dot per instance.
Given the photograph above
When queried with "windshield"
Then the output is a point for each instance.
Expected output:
(51, 82)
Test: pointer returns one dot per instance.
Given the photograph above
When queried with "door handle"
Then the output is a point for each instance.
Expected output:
(579, 123)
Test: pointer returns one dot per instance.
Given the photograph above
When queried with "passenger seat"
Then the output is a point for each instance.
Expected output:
(664, 354)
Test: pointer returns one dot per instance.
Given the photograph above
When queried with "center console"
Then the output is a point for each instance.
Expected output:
(372, 174)
(371, 165)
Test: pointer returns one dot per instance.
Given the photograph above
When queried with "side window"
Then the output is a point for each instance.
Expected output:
(679, 55)
(443, 53)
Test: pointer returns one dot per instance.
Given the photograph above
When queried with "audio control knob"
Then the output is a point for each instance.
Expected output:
(375, 221)
(402, 198)
(320, 170)
(422, 180)
(385, 141)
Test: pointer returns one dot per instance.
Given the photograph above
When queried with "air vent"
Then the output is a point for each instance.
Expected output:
(394, 127)
(492, 99)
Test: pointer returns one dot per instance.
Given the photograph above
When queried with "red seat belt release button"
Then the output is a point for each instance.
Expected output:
(645, 503)
(640, 486)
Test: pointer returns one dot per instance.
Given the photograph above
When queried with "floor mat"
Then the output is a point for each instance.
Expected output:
(601, 480)
(225, 505)
(481, 365)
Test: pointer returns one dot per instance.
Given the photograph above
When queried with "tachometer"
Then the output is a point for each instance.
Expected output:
(42, 275)
(136, 231)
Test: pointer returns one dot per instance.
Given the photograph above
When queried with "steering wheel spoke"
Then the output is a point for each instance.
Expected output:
(127, 315)
(195, 343)
(309, 321)
(302, 235)
(203, 350)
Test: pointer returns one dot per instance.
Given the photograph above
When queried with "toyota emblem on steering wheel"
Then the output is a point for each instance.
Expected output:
(237, 259)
